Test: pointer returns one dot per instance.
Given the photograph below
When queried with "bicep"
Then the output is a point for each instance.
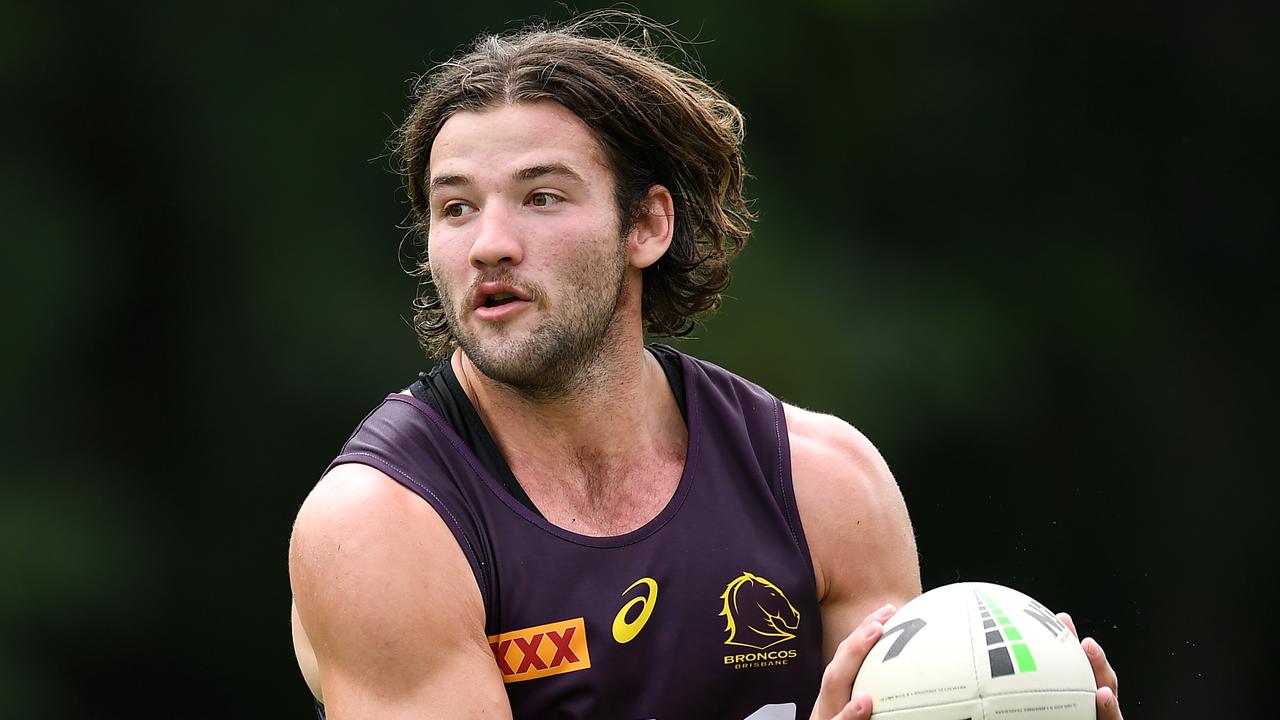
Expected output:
(872, 563)
(304, 654)
(465, 685)
(389, 604)
(856, 522)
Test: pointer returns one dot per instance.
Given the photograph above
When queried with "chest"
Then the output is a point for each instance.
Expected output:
(708, 610)
(598, 501)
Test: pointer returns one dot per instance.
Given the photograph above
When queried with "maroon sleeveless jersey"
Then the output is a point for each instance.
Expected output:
(708, 611)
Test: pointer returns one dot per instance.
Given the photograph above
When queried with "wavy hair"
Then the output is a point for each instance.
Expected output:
(658, 124)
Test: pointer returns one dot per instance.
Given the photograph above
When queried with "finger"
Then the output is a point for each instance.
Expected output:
(1103, 675)
(1108, 705)
(1071, 625)
(837, 680)
(859, 708)
(881, 614)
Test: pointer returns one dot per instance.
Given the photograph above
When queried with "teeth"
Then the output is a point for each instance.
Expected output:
(498, 299)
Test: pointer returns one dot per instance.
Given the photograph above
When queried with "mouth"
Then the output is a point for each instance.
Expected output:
(497, 301)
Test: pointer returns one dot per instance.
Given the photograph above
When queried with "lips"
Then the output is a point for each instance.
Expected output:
(498, 300)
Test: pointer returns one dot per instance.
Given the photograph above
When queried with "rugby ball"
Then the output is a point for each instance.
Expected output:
(977, 651)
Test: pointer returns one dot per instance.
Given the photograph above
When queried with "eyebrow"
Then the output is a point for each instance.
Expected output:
(529, 173)
(538, 171)
(447, 181)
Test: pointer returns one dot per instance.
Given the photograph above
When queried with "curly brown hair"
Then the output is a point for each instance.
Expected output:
(657, 124)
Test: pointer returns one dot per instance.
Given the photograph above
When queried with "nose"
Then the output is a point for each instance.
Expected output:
(497, 239)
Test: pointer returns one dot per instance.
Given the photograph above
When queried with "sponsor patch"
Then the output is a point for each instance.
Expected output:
(541, 651)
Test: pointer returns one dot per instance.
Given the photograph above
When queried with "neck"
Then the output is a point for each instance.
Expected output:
(602, 455)
(620, 408)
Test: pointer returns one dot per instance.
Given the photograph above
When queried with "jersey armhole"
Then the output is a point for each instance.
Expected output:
(442, 509)
(786, 486)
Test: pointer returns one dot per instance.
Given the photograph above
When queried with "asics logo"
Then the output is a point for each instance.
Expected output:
(624, 631)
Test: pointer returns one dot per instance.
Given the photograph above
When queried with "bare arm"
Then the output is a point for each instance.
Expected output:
(864, 556)
(389, 605)
(860, 538)
(861, 542)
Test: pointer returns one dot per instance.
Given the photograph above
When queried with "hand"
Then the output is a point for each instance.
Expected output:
(834, 701)
(1108, 697)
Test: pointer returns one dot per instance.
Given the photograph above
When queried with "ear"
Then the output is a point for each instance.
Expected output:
(653, 229)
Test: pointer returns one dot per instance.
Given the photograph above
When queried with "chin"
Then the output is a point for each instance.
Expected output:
(547, 362)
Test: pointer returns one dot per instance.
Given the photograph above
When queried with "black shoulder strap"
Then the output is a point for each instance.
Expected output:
(440, 389)
(669, 358)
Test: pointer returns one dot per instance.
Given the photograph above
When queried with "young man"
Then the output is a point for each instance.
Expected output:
(558, 521)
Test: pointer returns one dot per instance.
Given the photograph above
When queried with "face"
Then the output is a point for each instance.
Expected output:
(525, 244)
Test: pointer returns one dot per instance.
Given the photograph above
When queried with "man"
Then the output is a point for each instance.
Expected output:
(558, 521)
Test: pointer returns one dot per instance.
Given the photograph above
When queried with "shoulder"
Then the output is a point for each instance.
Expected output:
(855, 519)
(358, 515)
(358, 524)
(831, 451)
(380, 584)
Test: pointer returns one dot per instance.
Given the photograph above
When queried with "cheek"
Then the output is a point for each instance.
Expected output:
(444, 258)
(584, 242)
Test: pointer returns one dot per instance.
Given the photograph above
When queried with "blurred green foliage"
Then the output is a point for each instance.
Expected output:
(1018, 244)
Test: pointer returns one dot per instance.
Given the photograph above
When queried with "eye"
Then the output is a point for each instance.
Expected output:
(456, 209)
(544, 199)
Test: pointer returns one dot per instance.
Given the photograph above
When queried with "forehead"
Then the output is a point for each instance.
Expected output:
(508, 138)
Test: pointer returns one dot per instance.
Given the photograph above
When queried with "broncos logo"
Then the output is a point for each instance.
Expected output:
(757, 613)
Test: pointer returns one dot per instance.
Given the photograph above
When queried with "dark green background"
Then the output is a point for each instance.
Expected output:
(1019, 245)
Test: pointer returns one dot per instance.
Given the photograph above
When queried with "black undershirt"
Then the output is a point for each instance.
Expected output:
(440, 389)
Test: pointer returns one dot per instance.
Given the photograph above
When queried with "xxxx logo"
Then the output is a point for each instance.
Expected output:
(536, 652)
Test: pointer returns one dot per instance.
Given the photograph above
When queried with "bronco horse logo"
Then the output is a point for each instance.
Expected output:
(757, 613)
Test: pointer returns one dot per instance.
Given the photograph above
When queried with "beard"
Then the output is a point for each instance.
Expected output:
(558, 356)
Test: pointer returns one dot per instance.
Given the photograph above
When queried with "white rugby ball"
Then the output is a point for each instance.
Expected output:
(977, 651)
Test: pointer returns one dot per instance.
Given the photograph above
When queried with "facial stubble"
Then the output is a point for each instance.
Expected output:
(560, 356)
